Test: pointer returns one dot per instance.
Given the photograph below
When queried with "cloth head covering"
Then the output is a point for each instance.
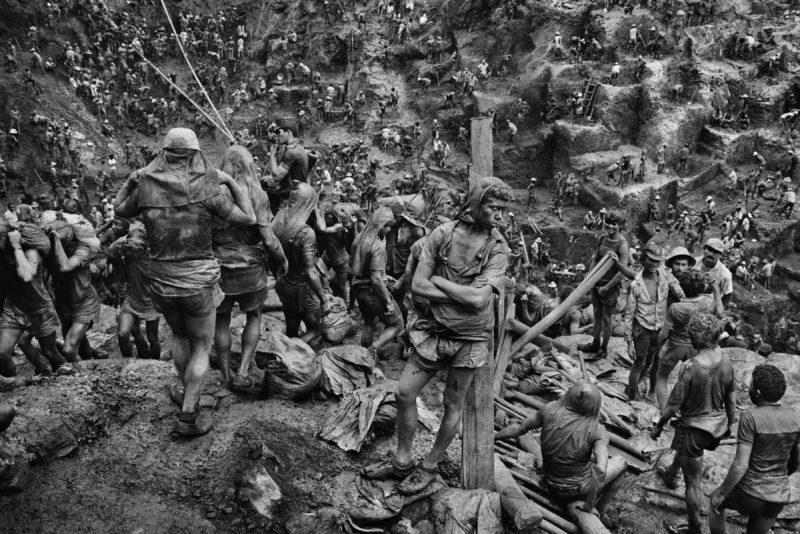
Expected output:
(476, 195)
(363, 243)
(583, 398)
(240, 164)
(183, 181)
(294, 213)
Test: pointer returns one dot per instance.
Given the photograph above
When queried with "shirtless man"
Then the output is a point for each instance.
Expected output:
(462, 264)
(179, 193)
(606, 292)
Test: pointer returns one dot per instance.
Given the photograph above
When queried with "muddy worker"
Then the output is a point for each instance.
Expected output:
(292, 166)
(375, 302)
(606, 292)
(462, 264)
(406, 231)
(300, 290)
(710, 263)
(574, 448)
(767, 452)
(129, 255)
(335, 232)
(244, 253)
(28, 305)
(705, 396)
(644, 316)
(677, 345)
(179, 193)
(76, 299)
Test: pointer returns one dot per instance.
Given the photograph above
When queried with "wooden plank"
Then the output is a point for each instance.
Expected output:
(477, 442)
(481, 148)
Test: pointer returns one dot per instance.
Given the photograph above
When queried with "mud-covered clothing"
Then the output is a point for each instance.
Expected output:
(295, 161)
(680, 313)
(700, 394)
(376, 262)
(402, 237)
(452, 320)
(31, 297)
(136, 272)
(74, 295)
(773, 431)
(182, 261)
(719, 273)
(650, 313)
(301, 247)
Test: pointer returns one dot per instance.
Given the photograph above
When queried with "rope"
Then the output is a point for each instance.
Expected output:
(191, 68)
(195, 104)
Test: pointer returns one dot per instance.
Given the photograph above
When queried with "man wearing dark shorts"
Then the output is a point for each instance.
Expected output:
(76, 299)
(606, 292)
(179, 194)
(244, 252)
(369, 282)
(300, 290)
(677, 347)
(27, 307)
(130, 255)
(768, 451)
(335, 230)
(462, 265)
(705, 396)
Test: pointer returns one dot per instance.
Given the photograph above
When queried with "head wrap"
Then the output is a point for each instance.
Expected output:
(176, 181)
(364, 241)
(294, 213)
(478, 192)
(239, 163)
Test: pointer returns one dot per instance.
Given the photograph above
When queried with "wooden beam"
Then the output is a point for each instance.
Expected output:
(481, 148)
(518, 510)
(477, 440)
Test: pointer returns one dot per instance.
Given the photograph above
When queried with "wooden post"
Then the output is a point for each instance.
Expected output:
(477, 438)
(481, 149)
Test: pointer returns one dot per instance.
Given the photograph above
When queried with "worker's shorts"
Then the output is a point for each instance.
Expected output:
(610, 300)
(297, 298)
(692, 442)
(371, 307)
(449, 353)
(198, 305)
(84, 313)
(573, 488)
(39, 325)
(672, 355)
(250, 301)
(751, 506)
(645, 342)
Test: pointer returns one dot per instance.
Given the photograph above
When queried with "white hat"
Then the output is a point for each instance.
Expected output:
(657, 197)
(552, 284)
(755, 153)
(538, 240)
(709, 198)
(13, 131)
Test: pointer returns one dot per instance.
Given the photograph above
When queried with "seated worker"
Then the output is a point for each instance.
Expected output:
(571, 434)
(768, 451)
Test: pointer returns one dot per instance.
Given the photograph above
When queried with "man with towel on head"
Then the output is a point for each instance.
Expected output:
(179, 194)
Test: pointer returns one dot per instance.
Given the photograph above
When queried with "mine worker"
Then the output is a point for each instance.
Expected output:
(677, 346)
(615, 71)
(661, 160)
(571, 436)
(293, 165)
(183, 270)
(705, 396)
(710, 263)
(511, 128)
(683, 159)
(644, 316)
(28, 305)
(129, 253)
(375, 302)
(244, 253)
(606, 291)
(300, 290)
(454, 331)
(532, 192)
(334, 234)
(767, 452)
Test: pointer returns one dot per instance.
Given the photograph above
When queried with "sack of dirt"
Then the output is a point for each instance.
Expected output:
(345, 368)
(62, 229)
(34, 237)
(338, 324)
(83, 231)
(292, 369)
(454, 508)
